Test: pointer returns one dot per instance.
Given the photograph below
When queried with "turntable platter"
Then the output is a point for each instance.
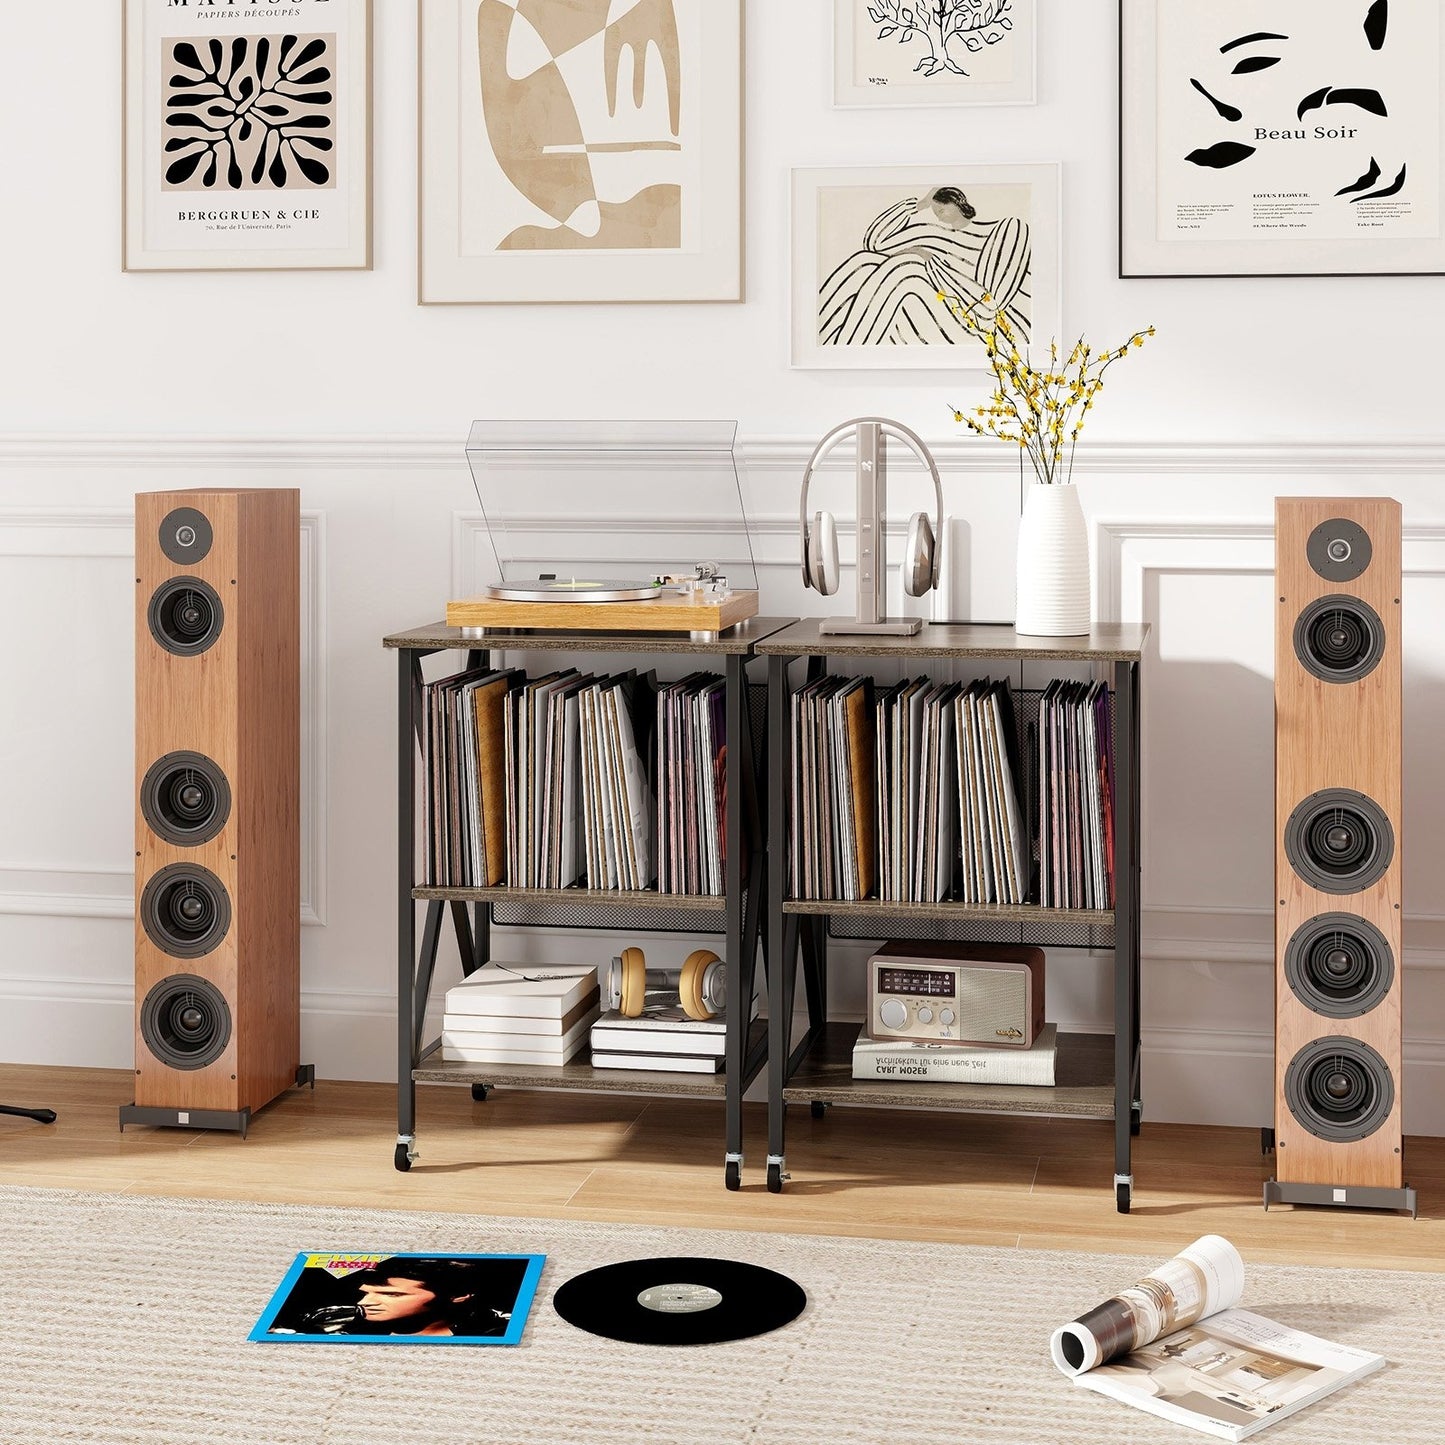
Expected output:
(572, 589)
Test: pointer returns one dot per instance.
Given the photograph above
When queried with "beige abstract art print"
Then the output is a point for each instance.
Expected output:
(580, 150)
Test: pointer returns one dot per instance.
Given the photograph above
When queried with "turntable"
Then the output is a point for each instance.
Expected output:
(585, 522)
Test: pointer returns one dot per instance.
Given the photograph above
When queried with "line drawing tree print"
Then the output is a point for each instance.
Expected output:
(952, 29)
(249, 110)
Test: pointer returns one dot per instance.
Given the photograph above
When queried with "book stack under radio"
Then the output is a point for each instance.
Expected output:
(662, 1039)
(512, 1013)
(951, 1063)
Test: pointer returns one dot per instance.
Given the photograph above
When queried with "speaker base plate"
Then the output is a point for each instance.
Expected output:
(1341, 1197)
(235, 1120)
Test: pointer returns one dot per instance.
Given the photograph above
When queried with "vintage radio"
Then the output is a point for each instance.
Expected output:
(940, 993)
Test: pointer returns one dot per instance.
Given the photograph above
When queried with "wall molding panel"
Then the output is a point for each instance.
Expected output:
(391, 530)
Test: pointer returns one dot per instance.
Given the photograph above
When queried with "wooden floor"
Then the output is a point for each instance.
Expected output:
(967, 1179)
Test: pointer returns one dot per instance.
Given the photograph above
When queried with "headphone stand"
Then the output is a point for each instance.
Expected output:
(871, 615)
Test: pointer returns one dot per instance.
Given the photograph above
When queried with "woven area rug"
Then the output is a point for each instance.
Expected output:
(124, 1318)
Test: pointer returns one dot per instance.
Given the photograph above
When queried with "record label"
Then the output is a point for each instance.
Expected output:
(679, 1301)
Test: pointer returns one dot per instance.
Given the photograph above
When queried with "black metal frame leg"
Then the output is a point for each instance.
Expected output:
(1126, 929)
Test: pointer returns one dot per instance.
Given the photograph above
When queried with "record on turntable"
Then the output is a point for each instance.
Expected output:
(572, 589)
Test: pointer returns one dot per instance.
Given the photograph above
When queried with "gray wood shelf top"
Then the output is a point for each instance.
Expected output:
(1107, 642)
(1084, 1070)
(580, 1074)
(958, 912)
(589, 897)
(437, 636)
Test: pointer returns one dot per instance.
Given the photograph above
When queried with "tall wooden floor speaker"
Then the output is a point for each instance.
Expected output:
(1338, 972)
(217, 733)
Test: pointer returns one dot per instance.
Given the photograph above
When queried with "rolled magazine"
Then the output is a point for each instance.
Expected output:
(1175, 1346)
(1198, 1281)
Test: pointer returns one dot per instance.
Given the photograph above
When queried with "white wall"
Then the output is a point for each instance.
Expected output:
(338, 383)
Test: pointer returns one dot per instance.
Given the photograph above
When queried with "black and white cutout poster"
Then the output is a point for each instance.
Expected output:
(247, 134)
(1281, 136)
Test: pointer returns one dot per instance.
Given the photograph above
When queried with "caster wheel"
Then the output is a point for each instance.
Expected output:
(403, 1158)
(480, 1092)
(1135, 1119)
(819, 1108)
(1121, 1198)
(775, 1178)
(734, 1175)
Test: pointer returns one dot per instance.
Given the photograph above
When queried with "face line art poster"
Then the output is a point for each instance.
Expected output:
(1298, 120)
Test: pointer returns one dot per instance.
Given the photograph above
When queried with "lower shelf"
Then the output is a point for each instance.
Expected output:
(1085, 1072)
(433, 1069)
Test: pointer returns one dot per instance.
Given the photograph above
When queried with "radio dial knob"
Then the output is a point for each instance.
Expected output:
(925, 1015)
(945, 1016)
(893, 1013)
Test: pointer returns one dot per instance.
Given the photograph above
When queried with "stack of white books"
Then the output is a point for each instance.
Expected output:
(516, 1013)
(663, 1039)
(957, 1063)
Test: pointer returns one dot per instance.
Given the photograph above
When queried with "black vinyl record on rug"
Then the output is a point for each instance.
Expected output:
(679, 1301)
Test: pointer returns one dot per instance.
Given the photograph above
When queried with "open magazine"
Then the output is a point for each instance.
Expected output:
(1174, 1345)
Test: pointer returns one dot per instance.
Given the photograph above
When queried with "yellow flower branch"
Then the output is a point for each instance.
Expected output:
(1041, 412)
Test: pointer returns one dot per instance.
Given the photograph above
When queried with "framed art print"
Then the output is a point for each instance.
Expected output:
(247, 135)
(580, 150)
(1280, 137)
(933, 52)
(873, 249)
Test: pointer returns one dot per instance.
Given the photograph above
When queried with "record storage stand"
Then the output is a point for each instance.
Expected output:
(1098, 1077)
(737, 915)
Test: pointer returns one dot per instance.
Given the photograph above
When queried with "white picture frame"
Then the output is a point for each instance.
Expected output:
(902, 53)
(552, 169)
(246, 136)
(872, 246)
(1305, 142)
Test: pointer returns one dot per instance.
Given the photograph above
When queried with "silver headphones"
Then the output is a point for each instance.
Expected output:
(820, 539)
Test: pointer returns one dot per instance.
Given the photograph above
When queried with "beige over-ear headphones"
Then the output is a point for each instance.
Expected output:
(819, 538)
(701, 983)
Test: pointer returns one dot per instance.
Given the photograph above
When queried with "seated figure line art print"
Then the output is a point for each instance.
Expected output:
(582, 102)
(887, 292)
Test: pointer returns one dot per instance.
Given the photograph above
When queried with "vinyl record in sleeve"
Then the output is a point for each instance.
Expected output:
(679, 1301)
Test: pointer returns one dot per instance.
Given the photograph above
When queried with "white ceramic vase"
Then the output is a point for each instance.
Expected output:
(1052, 592)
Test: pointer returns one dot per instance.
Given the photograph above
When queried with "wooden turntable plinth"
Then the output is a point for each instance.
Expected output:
(671, 612)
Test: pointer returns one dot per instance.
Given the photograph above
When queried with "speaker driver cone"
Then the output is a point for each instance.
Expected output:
(1339, 841)
(1339, 965)
(1339, 1089)
(185, 798)
(1339, 639)
(185, 910)
(185, 1022)
(185, 616)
